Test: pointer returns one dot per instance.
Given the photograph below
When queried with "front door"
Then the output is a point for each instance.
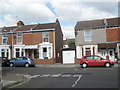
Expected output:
(111, 54)
(103, 53)
(88, 52)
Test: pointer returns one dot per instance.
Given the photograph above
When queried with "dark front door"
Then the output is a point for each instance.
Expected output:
(88, 52)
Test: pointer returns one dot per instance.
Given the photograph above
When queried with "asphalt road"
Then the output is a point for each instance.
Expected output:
(67, 77)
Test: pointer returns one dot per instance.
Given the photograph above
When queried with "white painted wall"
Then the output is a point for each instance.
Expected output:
(79, 50)
(68, 57)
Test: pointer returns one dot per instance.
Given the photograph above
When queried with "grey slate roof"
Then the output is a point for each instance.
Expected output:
(98, 23)
(29, 27)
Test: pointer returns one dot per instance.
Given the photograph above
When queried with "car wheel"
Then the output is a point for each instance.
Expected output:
(107, 64)
(84, 65)
(27, 65)
(11, 64)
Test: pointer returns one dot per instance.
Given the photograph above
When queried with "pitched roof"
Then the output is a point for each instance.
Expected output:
(7, 29)
(89, 24)
(45, 26)
(97, 23)
(29, 27)
(25, 27)
(113, 21)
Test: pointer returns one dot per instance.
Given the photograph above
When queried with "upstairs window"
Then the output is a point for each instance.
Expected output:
(45, 36)
(87, 35)
(19, 38)
(4, 39)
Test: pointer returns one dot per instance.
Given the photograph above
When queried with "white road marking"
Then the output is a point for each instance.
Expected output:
(45, 75)
(56, 75)
(76, 81)
(68, 75)
(34, 76)
(76, 75)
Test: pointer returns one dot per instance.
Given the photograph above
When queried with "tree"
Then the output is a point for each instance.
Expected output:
(71, 43)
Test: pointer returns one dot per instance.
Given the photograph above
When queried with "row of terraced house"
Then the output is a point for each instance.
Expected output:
(44, 42)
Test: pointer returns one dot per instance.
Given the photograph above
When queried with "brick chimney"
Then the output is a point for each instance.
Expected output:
(20, 23)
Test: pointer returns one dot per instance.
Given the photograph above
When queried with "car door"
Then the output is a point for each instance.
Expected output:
(89, 60)
(24, 60)
(17, 61)
(98, 61)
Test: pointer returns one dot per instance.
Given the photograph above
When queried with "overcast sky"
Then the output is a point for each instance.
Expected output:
(67, 11)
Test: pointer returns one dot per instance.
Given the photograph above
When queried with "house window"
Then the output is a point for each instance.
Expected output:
(7, 53)
(49, 52)
(119, 51)
(19, 38)
(22, 53)
(3, 52)
(87, 35)
(44, 52)
(45, 36)
(17, 52)
(4, 39)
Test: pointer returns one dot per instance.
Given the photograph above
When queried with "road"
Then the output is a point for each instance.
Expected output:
(67, 77)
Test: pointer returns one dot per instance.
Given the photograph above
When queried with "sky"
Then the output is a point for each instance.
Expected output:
(46, 11)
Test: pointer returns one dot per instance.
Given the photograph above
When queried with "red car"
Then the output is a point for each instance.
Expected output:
(95, 61)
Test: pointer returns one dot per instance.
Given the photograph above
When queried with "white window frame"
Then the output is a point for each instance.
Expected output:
(5, 51)
(4, 37)
(19, 38)
(87, 35)
(43, 45)
(21, 49)
(44, 36)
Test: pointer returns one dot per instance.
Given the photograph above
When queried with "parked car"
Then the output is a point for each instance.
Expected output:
(95, 61)
(5, 61)
(22, 61)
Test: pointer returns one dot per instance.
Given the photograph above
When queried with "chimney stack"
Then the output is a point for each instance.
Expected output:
(20, 23)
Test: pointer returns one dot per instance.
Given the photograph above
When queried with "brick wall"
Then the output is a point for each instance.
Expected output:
(45, 61)
(58, 43)
(112, 34)
(29, 38)
(119, 34)
(32, 38)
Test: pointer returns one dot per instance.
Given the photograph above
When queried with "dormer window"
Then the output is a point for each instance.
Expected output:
(4, 39)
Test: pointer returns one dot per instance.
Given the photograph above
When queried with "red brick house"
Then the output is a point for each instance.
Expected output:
(42, 42)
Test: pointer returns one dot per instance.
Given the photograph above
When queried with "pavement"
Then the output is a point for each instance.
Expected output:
(57, 65)
(11, 80)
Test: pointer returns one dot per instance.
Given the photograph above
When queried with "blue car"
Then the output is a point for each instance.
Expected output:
(22, 61)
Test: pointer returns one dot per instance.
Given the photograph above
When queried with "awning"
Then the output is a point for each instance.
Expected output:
(107, 45)
(31, 47)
